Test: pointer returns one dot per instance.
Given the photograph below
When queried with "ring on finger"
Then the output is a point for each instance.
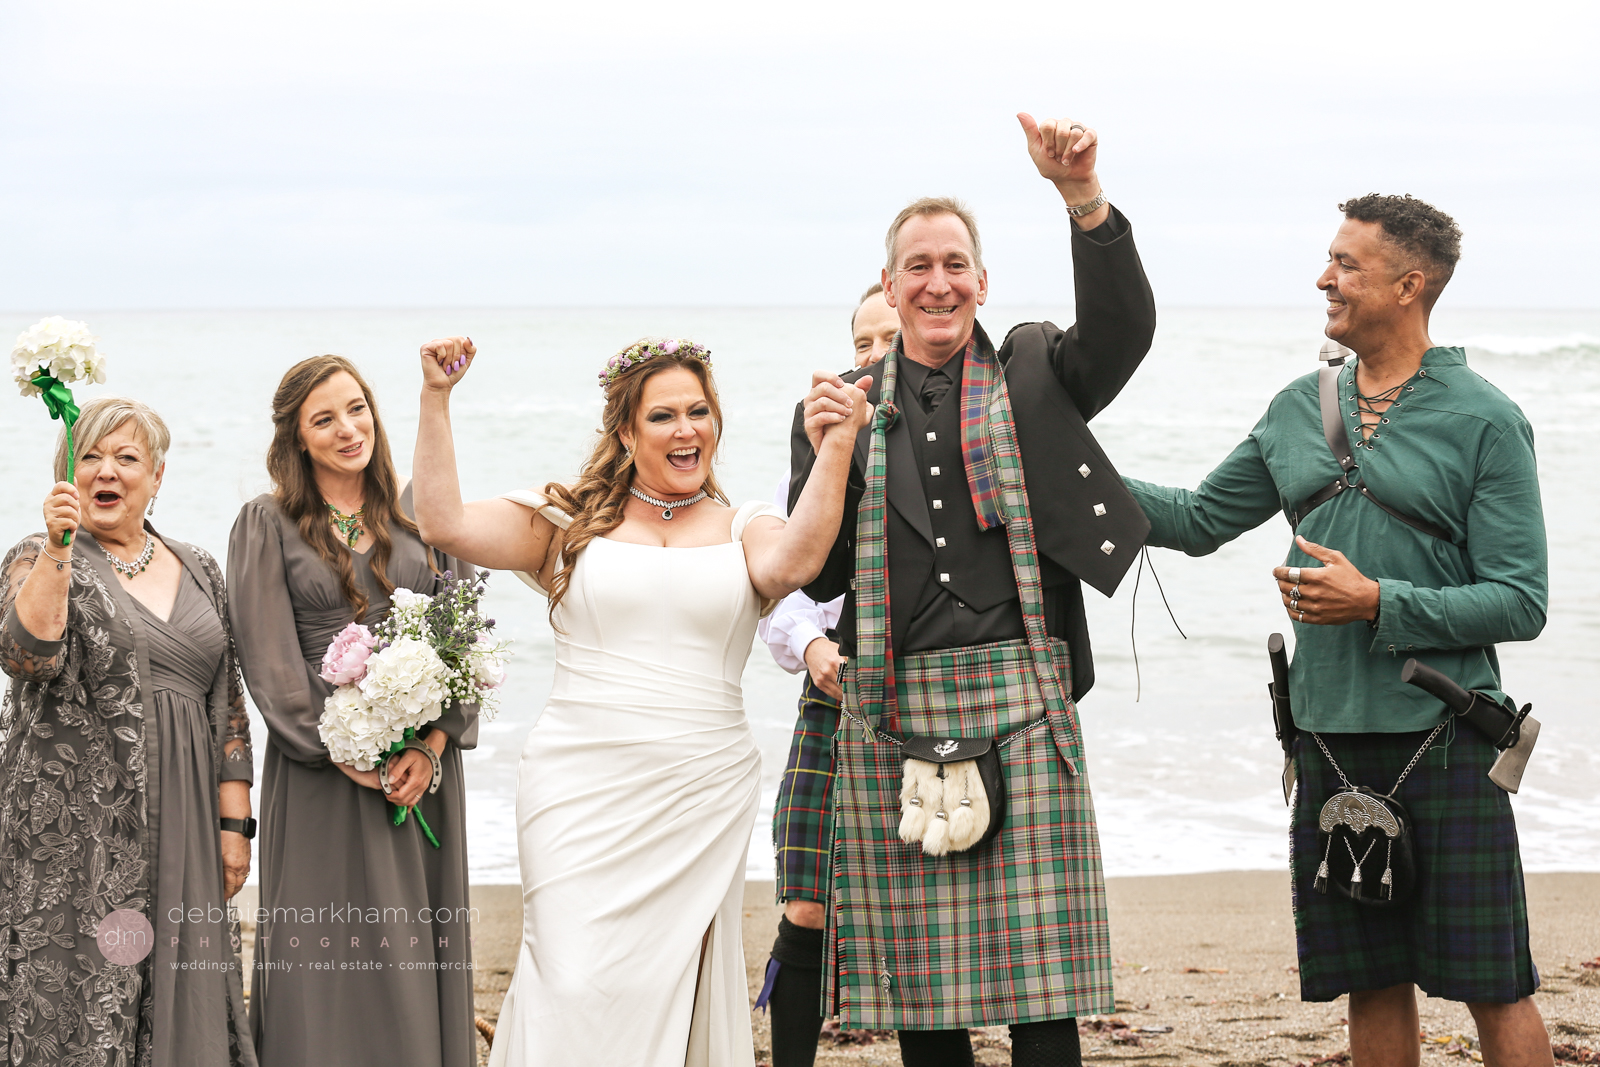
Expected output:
(1078, 126)
(1294, 594)
(1302, 617)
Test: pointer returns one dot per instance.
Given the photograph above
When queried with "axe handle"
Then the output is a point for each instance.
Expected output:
(1431, 681)
(1493, 721)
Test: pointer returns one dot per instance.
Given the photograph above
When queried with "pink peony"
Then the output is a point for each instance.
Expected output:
(345, 662)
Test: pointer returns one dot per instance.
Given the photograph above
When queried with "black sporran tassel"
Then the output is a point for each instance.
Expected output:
(1355, 883)
(1321, 884)
(1388, 873)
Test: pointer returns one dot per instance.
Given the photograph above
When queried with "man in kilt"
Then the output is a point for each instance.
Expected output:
(979, 502)
(802, 637)
(1440, 556)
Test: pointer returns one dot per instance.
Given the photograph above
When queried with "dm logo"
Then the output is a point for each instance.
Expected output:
(125, 936)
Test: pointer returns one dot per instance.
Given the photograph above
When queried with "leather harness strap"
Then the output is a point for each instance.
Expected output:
(1338, 438)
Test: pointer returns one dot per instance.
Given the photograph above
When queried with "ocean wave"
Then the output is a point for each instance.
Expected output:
(1534, 345)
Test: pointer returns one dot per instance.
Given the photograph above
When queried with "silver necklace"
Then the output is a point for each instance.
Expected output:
(667, 508)
(128, 570)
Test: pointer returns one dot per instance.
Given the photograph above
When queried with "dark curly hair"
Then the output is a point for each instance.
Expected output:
(1428, 239)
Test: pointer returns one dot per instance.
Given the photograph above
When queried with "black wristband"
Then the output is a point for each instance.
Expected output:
(247, 827)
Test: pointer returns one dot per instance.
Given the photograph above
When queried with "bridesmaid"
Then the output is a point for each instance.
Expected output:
(362, 951)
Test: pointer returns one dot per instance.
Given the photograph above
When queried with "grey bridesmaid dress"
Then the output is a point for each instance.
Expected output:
(363, 953)
(194, 968)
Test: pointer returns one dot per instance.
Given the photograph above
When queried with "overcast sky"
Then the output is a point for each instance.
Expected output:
(222, 154)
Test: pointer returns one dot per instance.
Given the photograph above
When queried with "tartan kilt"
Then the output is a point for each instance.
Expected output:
(1011, 932)
(1464, 934)
(801, 834)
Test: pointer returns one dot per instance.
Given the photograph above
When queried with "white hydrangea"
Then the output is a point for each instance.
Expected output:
(409, 678)
(64, 348)
(355, 730)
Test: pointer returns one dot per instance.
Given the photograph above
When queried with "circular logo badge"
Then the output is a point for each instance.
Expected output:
(125, 936)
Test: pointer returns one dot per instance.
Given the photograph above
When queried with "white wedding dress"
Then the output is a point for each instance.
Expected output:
(636, 796)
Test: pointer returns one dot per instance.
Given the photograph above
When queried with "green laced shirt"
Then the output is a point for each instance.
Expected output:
(1452, 450)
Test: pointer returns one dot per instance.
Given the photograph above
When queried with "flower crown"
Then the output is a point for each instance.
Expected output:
(644, 351)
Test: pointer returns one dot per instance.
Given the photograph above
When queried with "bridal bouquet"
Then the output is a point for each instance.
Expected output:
(50, 355)
(398, 675)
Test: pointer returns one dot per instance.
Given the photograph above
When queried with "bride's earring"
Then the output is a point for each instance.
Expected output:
(151, 510)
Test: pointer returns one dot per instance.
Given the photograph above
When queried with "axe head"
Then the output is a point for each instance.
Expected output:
(1508, 767)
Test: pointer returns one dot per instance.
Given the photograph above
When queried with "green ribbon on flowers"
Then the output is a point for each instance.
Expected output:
(58, 400)
(400, 813)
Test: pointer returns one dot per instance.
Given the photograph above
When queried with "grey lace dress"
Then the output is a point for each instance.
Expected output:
(90, 823)
(362, 950)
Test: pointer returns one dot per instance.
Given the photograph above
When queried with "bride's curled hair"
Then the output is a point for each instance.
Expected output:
(596, 499)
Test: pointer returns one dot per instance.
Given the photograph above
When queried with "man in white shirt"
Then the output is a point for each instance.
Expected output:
(798, 633)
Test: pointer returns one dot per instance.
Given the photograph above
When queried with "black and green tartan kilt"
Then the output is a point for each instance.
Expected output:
(1464, 934)
(801, 834)
(1012, 931)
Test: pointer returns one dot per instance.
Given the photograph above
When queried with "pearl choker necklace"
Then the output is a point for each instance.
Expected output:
(668, 508)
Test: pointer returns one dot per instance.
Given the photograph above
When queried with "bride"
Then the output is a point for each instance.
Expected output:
(638, 786)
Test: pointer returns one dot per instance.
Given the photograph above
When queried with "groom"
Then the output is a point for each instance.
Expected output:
(978, 503)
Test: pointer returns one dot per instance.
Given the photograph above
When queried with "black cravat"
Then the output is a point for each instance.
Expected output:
(934, 388)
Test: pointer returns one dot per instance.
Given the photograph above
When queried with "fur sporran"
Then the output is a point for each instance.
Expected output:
(953, 794)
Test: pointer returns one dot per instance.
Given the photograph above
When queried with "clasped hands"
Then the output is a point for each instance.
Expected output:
(835, 406)
(1331, 595)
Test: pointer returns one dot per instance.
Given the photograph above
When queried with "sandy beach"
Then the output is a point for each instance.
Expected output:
(1210, 956)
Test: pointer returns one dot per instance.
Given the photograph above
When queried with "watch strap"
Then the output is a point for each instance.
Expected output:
(246, 827)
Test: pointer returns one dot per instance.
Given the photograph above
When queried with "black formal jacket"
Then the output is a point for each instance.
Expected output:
(1058, 380)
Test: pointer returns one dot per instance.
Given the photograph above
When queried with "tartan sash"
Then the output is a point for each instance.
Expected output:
(993, 464)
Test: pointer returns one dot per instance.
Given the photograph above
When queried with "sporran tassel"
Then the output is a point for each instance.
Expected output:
(1321, 884)
(1388, 874)
(1355, 883)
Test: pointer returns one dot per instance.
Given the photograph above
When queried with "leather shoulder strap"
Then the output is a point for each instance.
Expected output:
(1332, 422)
(1338, 438)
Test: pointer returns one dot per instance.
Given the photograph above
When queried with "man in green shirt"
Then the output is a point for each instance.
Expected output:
(1365, 591)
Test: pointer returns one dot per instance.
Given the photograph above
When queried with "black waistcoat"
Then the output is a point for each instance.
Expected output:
(974, 565)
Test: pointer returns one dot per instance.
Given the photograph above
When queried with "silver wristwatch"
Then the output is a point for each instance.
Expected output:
(1080, 210)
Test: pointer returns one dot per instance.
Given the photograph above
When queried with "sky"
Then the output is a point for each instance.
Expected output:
(404, 154)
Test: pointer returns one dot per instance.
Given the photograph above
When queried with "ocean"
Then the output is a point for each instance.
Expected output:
(1181, 752)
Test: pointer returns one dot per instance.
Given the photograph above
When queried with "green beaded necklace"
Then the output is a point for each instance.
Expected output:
(348, 525)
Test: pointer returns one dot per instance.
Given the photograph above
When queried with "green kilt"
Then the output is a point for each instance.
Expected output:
(1464, 935)
(1013, 931)
(800, 824)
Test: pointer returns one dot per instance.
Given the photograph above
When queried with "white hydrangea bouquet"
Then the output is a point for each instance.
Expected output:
(398, 676)
(50, 355)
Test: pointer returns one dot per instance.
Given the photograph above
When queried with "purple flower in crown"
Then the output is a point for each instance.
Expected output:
(642, 351)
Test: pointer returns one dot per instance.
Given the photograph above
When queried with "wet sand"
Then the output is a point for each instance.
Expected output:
(1210, 955)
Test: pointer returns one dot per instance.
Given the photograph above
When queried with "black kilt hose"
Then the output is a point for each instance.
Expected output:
(1464, 934)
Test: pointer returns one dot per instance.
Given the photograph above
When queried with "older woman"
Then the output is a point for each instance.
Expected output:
(639, 784)
(363, 954)
(125, 773)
